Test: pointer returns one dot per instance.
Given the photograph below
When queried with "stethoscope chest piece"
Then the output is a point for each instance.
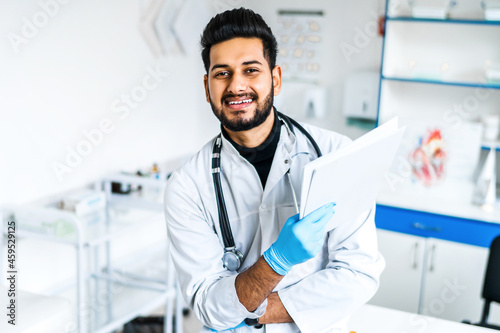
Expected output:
(231, 260)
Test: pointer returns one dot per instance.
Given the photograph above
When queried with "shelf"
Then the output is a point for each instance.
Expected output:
(151, 264)
(132, 179)
(447, 83)
(139, 284)
(139, 202)
(487, 145)
(94, 228)
(40, 313)
(110, 294)
(105, 314)
(452, 21)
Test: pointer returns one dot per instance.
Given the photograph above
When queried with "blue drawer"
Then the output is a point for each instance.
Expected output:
(437, 226)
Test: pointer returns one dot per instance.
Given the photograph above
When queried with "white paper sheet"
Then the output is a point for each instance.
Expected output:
(352, 176)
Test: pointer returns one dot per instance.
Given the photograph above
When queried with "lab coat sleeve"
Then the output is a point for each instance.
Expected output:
(350, 279)
(196, 252)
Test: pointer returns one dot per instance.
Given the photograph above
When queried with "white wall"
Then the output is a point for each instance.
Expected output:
(67, 78)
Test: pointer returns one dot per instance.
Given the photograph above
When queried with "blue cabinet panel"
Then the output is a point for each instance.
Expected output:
(437, 226)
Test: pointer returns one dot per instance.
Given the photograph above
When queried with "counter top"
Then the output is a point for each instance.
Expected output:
(375, 319)
(452, 198)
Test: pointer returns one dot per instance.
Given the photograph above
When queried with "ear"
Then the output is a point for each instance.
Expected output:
(276, 80)
(207, 93)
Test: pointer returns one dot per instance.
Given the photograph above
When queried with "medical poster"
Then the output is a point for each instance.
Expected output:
(300, 36)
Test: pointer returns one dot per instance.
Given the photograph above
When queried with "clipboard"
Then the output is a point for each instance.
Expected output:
(351, 176)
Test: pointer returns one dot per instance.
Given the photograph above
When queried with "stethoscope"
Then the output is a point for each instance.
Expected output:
(232, 257)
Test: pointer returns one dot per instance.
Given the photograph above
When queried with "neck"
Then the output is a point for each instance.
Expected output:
(255, 136)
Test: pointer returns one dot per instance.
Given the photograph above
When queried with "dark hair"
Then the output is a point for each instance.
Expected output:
(234, 23)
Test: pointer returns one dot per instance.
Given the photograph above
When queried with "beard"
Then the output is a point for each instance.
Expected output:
(262, 111)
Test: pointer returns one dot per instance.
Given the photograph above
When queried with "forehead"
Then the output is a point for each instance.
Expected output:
(236, 51)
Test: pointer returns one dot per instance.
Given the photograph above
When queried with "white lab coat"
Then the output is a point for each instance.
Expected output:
(318, 294)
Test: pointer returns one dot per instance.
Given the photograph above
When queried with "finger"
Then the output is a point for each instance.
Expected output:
(324, 220)
(316, 215)
(319, 226)
(292, 219)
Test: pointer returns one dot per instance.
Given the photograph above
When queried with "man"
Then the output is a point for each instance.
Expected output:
(295, 276)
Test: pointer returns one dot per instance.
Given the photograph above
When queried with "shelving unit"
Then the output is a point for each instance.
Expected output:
(433, 72)
(449, 83)
(440, 53)
(108, 293)
(433, 76)
(432, 20)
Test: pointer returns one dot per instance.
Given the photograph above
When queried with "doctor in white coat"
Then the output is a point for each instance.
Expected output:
(279, 273)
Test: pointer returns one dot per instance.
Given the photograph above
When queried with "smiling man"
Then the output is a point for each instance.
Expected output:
(245, 261)
(238, 88)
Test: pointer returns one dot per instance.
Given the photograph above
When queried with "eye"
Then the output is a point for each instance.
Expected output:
(222, 74)
(252, 70)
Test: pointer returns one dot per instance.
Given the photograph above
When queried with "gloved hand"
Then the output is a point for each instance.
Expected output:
(232, 328)
(299, 240)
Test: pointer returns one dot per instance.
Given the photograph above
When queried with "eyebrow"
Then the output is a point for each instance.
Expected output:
(246, 63)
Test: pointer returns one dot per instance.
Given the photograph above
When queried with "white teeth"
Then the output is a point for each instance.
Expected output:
(239, 102)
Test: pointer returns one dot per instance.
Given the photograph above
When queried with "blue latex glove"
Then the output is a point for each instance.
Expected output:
(299, 240)
(240, 325)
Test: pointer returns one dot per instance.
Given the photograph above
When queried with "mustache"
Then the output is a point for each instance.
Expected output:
(247, 95)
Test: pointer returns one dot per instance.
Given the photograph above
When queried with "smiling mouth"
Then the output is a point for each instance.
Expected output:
(238, 105)
(241, 102)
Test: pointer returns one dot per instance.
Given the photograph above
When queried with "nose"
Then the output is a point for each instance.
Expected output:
(237, 83)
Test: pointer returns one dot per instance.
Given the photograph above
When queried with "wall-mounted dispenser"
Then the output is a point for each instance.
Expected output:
(361, 95)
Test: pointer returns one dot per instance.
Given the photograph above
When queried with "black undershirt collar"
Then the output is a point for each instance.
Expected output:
(260, 157)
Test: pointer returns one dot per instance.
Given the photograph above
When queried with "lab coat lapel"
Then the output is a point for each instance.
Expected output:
(240, 182)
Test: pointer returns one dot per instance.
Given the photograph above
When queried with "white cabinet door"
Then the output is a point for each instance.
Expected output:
(400, 282)
(453, 280)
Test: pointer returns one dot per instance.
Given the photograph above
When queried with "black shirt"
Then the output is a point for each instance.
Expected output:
(260, 157)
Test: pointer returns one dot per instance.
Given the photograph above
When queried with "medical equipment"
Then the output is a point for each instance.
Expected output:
(232, 257)
(83, 202)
